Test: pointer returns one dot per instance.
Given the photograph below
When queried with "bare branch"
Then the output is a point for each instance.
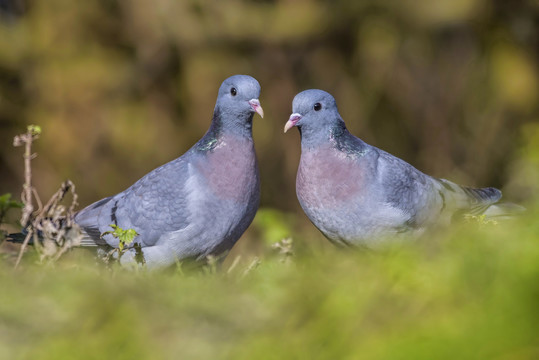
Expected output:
(51, 226)
(26, 139)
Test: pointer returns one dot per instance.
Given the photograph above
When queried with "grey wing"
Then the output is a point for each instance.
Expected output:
(88, 219)
(154, 205)
(425, 199)
(409, 190)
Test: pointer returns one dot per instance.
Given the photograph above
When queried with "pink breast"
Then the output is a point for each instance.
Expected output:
(230, 168)
(328, 178)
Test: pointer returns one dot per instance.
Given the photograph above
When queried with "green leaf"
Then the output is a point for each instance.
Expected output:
(34, 129)
(6, 202)
(125, 237)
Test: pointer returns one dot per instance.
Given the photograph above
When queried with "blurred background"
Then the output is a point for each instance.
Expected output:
(121, 87)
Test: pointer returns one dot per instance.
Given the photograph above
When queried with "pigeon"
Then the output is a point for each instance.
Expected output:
(198, 204)
(361, 196)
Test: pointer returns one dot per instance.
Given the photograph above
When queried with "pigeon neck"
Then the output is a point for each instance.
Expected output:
(312, 136)
(219, 128)
(345, 142)
(336, 135)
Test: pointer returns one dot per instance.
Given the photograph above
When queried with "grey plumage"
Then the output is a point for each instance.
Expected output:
(198, 204)
(357, 194)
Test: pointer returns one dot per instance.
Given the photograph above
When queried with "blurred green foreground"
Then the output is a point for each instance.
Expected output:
(473, 293)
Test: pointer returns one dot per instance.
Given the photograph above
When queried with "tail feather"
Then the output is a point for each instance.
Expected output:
(487, 195)
(18, 238)
(503, 211)
(87, 240)
(475, 200)
(478, 201)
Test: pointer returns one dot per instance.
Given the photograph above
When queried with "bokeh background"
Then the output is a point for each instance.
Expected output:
(121, 87)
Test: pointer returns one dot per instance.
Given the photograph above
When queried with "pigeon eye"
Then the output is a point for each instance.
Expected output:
(233, 91)
(317, 107)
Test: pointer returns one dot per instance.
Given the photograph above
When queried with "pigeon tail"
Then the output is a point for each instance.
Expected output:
(466, 200)
(482, 196)
(480, 201)
(503, 211)
(18, 238)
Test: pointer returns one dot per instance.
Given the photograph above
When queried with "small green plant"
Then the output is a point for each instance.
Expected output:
(285, 249)
(34, 130)
(482, 220)
(6, 204)
(125, 238)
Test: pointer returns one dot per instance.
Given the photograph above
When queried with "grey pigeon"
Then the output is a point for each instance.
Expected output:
(357, 194)
(198, 204)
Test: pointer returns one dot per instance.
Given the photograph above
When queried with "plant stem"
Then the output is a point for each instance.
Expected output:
(27, 187)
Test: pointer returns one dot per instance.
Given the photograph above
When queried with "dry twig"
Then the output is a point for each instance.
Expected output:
(53, 223)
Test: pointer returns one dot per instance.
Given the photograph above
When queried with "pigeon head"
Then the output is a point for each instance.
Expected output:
(315, 114)
(238, 100)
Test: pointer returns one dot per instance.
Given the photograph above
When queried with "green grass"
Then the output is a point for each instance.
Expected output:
(472, 293)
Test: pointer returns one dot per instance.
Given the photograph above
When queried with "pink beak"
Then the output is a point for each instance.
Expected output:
(255, 104)
(292, 121)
